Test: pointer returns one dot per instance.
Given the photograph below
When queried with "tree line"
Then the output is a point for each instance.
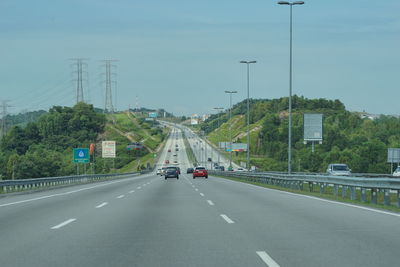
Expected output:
(361, 143)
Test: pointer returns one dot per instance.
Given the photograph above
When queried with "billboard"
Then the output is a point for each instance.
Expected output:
(393, 155)
(108, 149)
(237, 147)
(313, 126)
(134, 146)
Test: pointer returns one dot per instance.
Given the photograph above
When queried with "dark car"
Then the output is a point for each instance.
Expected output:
(179, 170)
(171, 172)
(189, 170)
(220, 168)
(200, 172)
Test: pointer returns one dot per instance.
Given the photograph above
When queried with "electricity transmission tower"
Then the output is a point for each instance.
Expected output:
(81, 70)
(4, 105)
(109, 82)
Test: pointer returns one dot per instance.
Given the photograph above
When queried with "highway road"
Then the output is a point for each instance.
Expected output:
(149, 221)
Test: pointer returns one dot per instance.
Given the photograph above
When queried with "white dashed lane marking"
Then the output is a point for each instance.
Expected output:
(101, 205)
(58, 226)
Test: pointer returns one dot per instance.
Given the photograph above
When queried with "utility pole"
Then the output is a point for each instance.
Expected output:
(4, 105)
(109, 82)
(80, 66)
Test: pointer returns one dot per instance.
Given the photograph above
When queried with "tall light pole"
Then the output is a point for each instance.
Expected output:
(248, 110)
(291, 4)
(230, 125)
(218, 108)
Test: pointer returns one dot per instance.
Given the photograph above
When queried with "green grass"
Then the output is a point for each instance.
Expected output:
(330, 196)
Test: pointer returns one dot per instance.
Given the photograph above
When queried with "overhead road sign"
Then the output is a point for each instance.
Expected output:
(81, 155)
(108, 149)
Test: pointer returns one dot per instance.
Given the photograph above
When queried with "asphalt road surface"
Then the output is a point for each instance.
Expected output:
(149, 221)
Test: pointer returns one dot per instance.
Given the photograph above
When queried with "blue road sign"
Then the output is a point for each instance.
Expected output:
(81, 155)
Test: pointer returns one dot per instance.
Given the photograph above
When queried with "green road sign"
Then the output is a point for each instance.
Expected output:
(81, 155)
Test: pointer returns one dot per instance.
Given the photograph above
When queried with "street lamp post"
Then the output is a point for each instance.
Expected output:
(248, 110)
(230, 125)
(218, 108)
(291, 4)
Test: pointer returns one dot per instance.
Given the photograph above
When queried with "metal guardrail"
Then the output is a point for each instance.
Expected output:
(356, 186)
(7, 186)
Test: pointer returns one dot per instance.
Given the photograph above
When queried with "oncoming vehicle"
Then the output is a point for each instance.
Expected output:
(189, 170)
(163, 171)
(396, 172)
(338, 169)
(171, 172)
(200, 172)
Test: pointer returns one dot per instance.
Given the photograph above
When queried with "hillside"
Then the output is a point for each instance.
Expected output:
(44, 148)
(361, 143)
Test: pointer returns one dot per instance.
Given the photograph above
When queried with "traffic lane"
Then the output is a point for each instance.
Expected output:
(31, 220)
(328, 233)
(167, 224)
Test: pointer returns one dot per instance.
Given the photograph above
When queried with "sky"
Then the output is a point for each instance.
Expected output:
(181, 55)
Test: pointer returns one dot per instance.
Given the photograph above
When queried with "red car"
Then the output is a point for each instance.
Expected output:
(200, 172)
(166, 161)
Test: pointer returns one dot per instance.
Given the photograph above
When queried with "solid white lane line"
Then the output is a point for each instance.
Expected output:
(132, 191)
(121, 196)
(58, 226)
(226, 218)
(324, 200)
(210, 202)
(267, 259)
(101, 205)
(201, 194)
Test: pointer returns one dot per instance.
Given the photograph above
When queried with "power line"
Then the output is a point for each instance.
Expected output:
(109, 82)
(80, 65)
(4, 113)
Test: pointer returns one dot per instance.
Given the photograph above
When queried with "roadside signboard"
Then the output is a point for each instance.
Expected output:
(134, 146)
(81, 155)
(313, 127)
(153, 114)
(393, 155)
(108, 149)
(236, 147)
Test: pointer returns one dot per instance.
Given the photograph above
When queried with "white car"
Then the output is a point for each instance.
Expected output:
(240, 169)
(396, 172)
(338, 169)
(158, 171)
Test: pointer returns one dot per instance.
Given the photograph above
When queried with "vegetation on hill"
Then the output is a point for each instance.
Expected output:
(44, 148)
(361, 143)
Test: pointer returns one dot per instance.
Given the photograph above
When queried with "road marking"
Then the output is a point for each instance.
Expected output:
(197, 189)
(201, 194)
(321, 199)
(267, 259)
(101, 205)
(139, 187)
(193, 186)
(70, 192)
(132, 191)
(58, 226)
(121, 196)
(144, 184)
(210, 202)
(226, 218)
